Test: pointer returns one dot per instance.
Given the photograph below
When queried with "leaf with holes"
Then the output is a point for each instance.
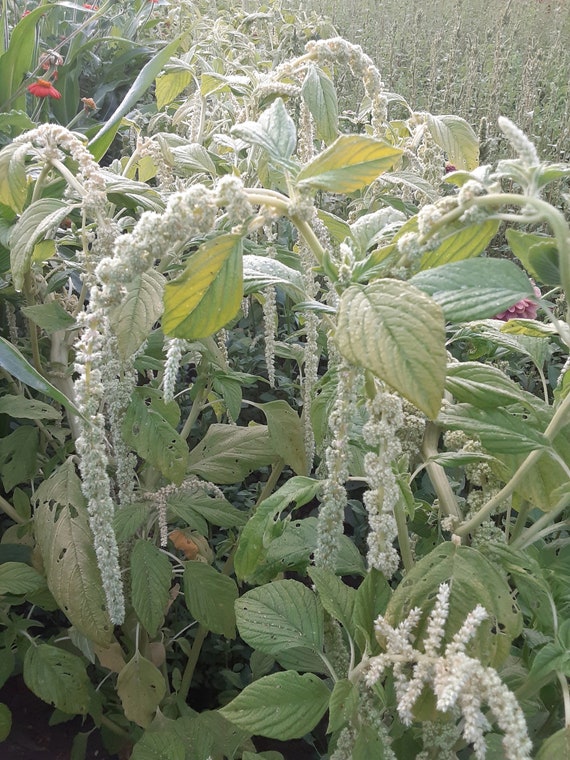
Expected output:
(155, 440)
(141, 687)
(58, 678)
(280, 615)
(396, 331)
(66, 544)
(280, 706)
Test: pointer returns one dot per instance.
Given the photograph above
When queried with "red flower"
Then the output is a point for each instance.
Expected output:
(525, 309)
(44, 89)
(91, 7)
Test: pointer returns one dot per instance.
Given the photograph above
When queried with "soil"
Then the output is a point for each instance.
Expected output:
(32, 738)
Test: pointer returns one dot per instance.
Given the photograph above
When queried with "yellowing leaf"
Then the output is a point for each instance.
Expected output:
(349, 164)
(457, 138)
(208, 293)
(170, 85)
(140, 686)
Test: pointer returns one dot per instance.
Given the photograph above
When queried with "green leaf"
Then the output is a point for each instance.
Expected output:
(319, 94)
(482, 385)
(169, 85)
(337, 598)
(549, 659)
(474, 288)
(130, 518)
(208, 294)
(457, 138)
(13, 362)
(150, 584)
(228, 454)
(140, 308)
(13, 178)
(280, 615)
(5, 721)
(538, 253)
(39, 219)
(261, 271)
(216, 511)
(281, 706)
(210, 598)
(141, 687)
(474, 580)
(253, 540)
(500, 432)
(396, 331)
(160, 744)
(100, 144)
(66, 545)
(369, 744)
(372, 598)
(556, 746)
(459, 241)
(18, 59)
(343, 704)
(154, 439)
(18, 456)
(274, 131)
(23, 408)
(58, 678)
(349, 164)
(286, 434)
(7, 663)
(19, 578)
(51, 316)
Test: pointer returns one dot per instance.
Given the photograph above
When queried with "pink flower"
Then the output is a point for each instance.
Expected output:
(525, 309)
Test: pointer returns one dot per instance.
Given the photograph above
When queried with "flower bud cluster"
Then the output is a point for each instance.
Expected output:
(459, 682)
(380, 434)
(336, 458)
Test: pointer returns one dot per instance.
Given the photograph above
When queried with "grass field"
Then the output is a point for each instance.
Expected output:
(472, 58)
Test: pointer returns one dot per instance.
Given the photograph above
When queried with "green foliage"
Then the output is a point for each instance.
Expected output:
(251, 380)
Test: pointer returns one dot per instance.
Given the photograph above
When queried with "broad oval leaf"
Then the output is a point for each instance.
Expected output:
(274, 131)
(13, 179)
(19, 578)
(23, 408)
(210, 597)
(150, 584)
(457, 138)
(227, 454)
(140, 308)
(154, 439)
(482, 385)
(474, 580)
(460, 241)
(280, 615)
(208, 294)
(538, 253)
(286, 434)
(141, 687)
(66, 545)
(349, 164)
(396, 331)
(58, 678)
(319, 94)
(474, 288)
(169, 85)
(39, 219)
(281, 706)
(557, 745)
(337, 598)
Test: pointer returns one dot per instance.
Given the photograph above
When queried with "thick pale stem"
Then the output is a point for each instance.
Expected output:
(442, 487)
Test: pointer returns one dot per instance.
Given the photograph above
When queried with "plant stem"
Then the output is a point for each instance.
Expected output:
(535, 530)
(201, 634)
(403, 536)
(436, 473)
(566, 697)
(556, 423)
(196, 408)
(276, 470)
(8, 509)
(31, 325)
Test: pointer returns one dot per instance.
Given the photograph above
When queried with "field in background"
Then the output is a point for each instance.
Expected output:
(476, 58)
